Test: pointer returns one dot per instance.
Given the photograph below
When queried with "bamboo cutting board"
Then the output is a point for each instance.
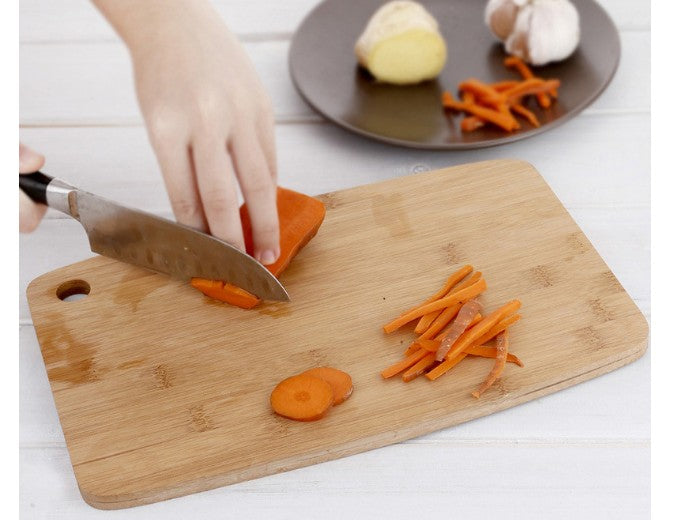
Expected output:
(162, 392)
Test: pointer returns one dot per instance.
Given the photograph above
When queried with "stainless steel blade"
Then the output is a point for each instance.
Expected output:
(155, 243)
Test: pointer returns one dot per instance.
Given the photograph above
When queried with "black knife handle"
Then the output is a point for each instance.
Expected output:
(35, 185)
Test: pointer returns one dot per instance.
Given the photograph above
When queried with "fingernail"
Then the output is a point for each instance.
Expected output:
(268, 257)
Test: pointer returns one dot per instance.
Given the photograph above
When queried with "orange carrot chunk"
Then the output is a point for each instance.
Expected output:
(498, 367)
(340, 381)
(302, 398)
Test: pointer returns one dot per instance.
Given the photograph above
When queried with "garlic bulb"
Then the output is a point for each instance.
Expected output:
(537, 31)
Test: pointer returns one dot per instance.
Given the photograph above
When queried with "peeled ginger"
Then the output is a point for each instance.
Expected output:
(402, 44)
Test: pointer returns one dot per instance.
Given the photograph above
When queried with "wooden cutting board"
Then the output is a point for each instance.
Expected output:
(162, 392)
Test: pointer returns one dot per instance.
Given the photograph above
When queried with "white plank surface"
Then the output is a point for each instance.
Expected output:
(581, 453)
(77, 20)
(55, 90)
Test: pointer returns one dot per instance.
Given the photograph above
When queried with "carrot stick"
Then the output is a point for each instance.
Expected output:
(471, 123)
(498, 367)
(461, 323)
(484, 326)
(445, 366)
(419, 367)
(441, 319)
(494, 331)
(526, 114)
(503, 120)
(449, 103)
(455, 278)
(459, 296)
(491, 352)
(526, 73)
(484, 93)
(529, 87)
(413, 347)
(403, 364)
(501, 86)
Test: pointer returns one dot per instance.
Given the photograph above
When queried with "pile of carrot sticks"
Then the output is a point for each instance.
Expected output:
(498, 103)
(452, 325)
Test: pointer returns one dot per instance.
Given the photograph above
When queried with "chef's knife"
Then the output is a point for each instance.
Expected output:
(152, 242)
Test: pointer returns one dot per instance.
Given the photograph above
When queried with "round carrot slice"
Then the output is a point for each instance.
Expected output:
(340, 381)
(302, 398)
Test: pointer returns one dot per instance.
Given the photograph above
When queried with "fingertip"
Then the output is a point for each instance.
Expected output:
(29, 160)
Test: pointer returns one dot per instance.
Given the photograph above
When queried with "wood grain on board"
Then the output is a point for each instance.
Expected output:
(162, 392)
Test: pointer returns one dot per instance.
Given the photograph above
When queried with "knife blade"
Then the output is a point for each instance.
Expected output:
(152, 242)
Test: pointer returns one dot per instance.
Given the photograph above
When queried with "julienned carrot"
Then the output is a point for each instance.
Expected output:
(302, 397)
(225, 292)
(526, 73)
(448, 363)
(459, 326)
(491, 352)
(501, 86)
(526, 114)
(482, 92)
(499, 366)
(454, 279)
(494, 331)
(449, 317)
(419, 368)
(413, 347)
(471, 123)
(459, 296)
(503, 120)
(340, 381)
(484, 326)
(403, 364)
(530, 87)
(441, 321)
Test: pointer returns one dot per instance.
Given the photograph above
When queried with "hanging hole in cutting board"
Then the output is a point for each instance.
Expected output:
(73, 290)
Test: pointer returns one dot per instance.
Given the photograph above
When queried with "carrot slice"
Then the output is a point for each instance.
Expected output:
(225, 292)
(498, 367)
(459, 296)
(302, 398)
(341, 382)
(484, 326)
(403, 364)
(459, 326)
(419, 368)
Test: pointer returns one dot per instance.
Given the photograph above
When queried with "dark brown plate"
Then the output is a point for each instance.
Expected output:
(324, 70)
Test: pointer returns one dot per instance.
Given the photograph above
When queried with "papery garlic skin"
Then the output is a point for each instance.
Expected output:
(537, 31)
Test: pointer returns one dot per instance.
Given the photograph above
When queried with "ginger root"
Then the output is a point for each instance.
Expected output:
(402, 44)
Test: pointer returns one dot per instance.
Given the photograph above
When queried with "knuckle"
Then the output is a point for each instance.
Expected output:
(210, 111)
(186, 210)
(216, 205)
(165, 128)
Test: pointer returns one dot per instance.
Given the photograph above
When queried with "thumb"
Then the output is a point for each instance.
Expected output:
(29, 160)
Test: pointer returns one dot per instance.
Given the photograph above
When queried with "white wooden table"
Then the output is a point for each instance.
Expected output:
(581, 453)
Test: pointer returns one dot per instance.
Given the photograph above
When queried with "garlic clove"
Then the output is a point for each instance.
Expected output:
(500, 16)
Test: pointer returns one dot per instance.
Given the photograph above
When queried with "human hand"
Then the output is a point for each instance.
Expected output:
(208, 117)
(30, 213)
